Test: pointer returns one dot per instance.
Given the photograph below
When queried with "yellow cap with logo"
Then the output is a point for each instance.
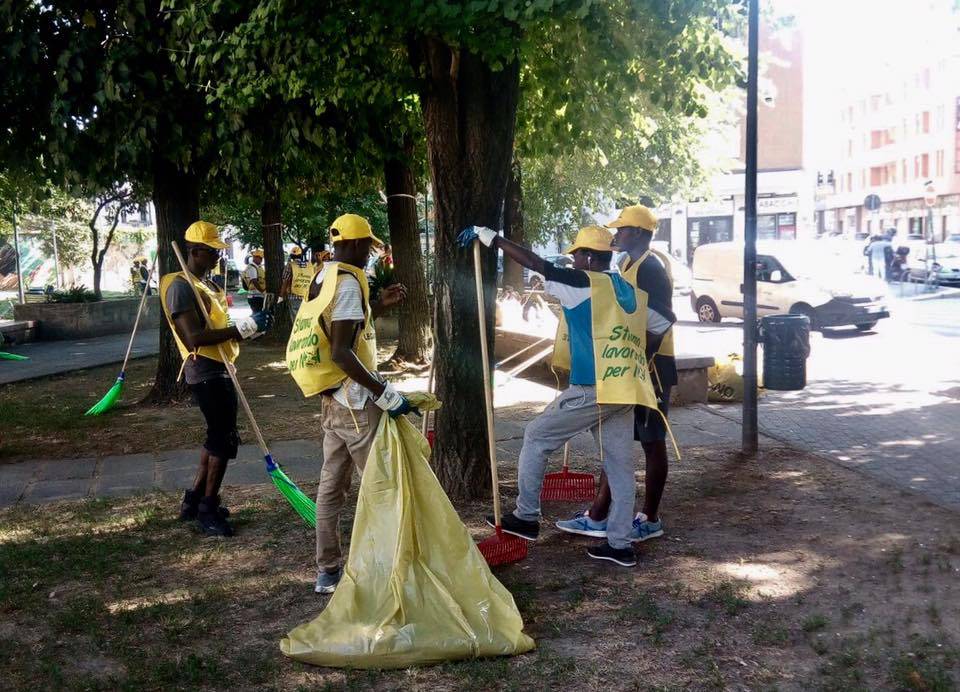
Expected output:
(204, 233)
(637, 216)
(591, 238)
(352, 227)
(296, 251)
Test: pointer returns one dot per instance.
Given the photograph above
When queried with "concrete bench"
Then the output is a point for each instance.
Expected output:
(17, 332)
(691, 368)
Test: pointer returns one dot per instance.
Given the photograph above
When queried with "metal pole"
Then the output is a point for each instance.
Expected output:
(56, 255)
(750, 436)
(16, 248)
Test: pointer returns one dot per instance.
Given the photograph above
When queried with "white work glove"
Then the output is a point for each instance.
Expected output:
(486, 235)
(257, 323)
(390, 399)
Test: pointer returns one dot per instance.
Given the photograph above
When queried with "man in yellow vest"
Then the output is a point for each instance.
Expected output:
(206, 350)
(648, 271)
(254, 280)
(602, 341)
(295, 282)
(333, 352)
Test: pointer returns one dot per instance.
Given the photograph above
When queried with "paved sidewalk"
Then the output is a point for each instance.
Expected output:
(54, 357)
(51, 480)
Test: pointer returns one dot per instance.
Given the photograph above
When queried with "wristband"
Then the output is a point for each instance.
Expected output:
(247, 326)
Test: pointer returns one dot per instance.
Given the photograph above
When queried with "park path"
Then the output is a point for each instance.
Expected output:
(51, 480)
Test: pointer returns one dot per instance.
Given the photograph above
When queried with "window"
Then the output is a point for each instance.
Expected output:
(876, 139)
(903, 170)
(925, 120)
(916, 167)
(849, 182)
(940, 162)
(925, 165)
(877, 175)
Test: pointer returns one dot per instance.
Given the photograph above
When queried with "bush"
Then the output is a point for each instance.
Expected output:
(74, 294)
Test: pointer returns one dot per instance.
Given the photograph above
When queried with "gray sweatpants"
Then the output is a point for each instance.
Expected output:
(573, 412)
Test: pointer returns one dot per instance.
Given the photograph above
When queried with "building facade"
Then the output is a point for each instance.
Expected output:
(898, 137)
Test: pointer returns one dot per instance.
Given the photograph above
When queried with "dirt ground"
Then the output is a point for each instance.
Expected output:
(785, 573)
(44, 418)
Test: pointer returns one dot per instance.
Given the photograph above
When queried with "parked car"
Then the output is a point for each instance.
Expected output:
(792, 277)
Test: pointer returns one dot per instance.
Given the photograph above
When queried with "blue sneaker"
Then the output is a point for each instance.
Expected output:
(327, 581)
(644, 530)
(583, 525)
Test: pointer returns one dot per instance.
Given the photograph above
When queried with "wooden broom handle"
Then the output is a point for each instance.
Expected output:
(136, 322)
(425, 423)
(223, 356)
(487, 384)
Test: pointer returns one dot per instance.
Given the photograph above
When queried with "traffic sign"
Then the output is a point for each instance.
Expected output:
(929, 195)
(871, 202)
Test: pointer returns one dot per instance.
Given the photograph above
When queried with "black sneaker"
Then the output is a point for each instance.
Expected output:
(211, 520)
(622, 556)
(527, 530)
(191, 500)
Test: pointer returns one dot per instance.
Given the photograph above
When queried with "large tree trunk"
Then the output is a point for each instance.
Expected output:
(176, 197)
(513, 225)
(469, 113)
(274, 259)
(414, 314)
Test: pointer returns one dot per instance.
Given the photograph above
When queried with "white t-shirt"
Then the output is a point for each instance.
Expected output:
(252, 274)
(347, 306)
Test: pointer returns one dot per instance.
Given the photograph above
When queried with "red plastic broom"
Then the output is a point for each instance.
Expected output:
(501, 548)
(568, 486)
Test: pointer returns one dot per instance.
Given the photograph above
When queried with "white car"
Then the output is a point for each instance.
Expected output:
(792, 277)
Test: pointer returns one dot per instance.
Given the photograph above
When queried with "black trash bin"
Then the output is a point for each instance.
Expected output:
(786, 345)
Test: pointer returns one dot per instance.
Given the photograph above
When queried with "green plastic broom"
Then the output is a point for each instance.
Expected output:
(11, 356)
(302, 504)
(110, 399)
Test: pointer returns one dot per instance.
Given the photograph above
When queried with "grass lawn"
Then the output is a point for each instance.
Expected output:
(789, 574)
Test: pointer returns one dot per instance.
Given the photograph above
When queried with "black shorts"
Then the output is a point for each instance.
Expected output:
(217, 400)
(648, 425)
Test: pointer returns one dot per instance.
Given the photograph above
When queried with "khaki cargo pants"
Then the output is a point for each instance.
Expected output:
(344, 448)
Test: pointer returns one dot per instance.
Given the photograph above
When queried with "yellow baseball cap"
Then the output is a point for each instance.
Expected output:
(256, 253)
(204, 233)
(591, 238)
(296, 251)
(352, 227)
(637, 216)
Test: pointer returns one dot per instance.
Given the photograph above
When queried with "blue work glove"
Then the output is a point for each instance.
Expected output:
(402, 408)
(482, 233)
(257, 323)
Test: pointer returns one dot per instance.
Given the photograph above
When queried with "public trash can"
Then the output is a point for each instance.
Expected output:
(786, 345)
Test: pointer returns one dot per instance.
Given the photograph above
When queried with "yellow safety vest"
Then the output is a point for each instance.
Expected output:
(619, 346)
(308, 350)
(630, 274)
(303, 274)
(219, 319)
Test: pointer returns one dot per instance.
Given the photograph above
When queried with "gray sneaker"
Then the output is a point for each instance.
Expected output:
(327, 581)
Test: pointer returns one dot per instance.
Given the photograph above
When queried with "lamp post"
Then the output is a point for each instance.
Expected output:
(749, 442)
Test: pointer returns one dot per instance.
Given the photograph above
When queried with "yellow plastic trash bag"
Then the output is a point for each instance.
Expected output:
(415, 589)
(725, 380)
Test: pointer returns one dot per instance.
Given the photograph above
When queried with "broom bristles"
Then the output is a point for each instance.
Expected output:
(109, 399)
(502, 548)
(567, 486)
(301, 503)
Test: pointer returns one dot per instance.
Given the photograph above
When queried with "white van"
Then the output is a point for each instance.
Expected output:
(792, 277)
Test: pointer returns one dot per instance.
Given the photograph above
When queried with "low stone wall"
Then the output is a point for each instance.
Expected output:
(57, 321)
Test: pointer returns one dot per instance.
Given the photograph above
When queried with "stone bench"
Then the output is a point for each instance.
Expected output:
(17, 332)
(691, 368)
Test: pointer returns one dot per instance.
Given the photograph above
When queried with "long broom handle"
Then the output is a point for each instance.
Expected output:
(425, 423)
(487, 385)
(136, 322)
(230, 369)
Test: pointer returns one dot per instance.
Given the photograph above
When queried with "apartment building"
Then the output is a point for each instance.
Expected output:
(898, 136)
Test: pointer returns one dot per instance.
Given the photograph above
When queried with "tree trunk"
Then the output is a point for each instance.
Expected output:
(469, 113)
(176, 197)
(414, 314)
(97, 273)
(274, 259)
(513, 225)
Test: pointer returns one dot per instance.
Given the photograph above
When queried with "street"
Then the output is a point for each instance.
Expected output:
(884, 402)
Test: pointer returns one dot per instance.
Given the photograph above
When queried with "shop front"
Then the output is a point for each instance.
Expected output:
(708, 222)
